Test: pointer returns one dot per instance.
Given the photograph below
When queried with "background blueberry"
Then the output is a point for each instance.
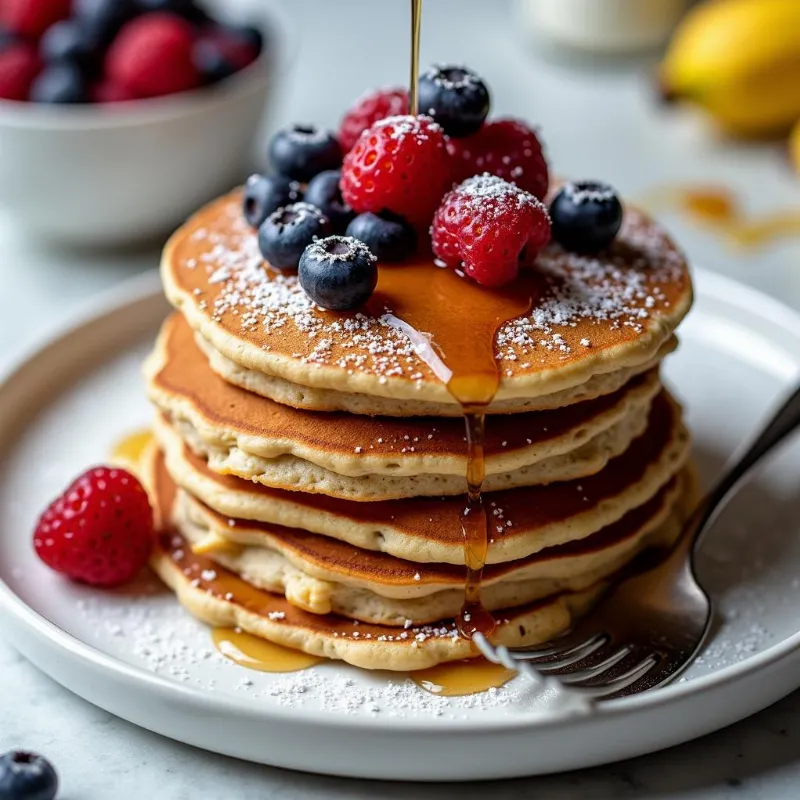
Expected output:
(455, 97)
(264, 194)
(338, 273)
(61, 84)
(285, 234)
(323, 192)
(248, 34)
(586, 216)
(187, 9)
(211, 60)
(69, 41)
(26, 776)
(303, 151)
(102, 19)
(7, 38)
(389, 237)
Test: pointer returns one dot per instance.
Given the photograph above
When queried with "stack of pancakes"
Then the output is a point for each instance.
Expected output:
(309, 466)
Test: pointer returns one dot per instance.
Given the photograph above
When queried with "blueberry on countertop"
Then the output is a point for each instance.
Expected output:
(455, 97)
(323, 192)
(264, 194)
(302, 151)
(586, 216)
(285, 234)
(389, 237)
(27, 776)
(338, 273)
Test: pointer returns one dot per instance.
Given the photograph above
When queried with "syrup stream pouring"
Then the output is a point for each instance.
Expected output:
(650, 626)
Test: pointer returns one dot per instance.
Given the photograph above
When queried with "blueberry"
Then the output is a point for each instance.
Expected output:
(249, 35)
(323, 192)
(302, 151)
(60, 84)
(187, 9)
(211, 60)
(586, 216)
(388, 236)
(339, 273)
(69, 41)
(26, 776)
(285, 234)
(7, 38)
(102, 19)
(264, 194)
(455, 97)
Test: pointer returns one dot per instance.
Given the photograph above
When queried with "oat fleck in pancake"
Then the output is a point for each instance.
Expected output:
(591, 315)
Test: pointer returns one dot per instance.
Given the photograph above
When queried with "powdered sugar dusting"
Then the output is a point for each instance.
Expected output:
(339, 248)
(583, 298)
(405, 126)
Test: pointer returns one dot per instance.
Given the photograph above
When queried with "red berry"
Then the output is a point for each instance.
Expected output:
(32, 17)
(100, 531)
(152, 55)
(400, 164)
(484, 225)
(506, 148)
(369, 109)
(19, 66)
(110, 92)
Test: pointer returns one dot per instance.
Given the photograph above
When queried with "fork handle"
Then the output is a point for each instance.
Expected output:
(783, 422)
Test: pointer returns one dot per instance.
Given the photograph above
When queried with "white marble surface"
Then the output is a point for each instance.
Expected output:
(598, 120)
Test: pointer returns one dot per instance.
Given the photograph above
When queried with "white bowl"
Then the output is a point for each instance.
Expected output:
(100, 175)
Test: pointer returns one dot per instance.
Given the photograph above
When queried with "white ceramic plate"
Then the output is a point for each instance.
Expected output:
(136, 654)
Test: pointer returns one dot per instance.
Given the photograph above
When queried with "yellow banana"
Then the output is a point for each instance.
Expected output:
(740, 60)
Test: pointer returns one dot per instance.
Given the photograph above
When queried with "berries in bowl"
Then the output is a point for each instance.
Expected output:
(119, 117)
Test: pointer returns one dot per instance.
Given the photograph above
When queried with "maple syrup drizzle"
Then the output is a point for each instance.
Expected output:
(261, 655)
(416, 30)
(459, 678)
(454, 332)
(130, 449)
(719, 208)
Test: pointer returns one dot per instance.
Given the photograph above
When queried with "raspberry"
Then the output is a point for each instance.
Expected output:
(369, 109)
(506, 148)
(400, 164)
(19, 66)
(152, 55)
(32, 17)
(100, 531)
(484, 225)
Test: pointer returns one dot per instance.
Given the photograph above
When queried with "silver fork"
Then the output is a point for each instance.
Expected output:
(650, 626)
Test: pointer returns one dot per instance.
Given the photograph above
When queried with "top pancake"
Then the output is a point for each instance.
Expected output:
(590, 316)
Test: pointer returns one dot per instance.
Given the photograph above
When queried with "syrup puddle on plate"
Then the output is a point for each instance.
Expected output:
(131, 449)
(259, 654)
(460, 678)
(719, 208)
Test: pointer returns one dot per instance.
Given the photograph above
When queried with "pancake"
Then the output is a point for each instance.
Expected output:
(315, 399)
(590, 315)
(322, 575)
(220, 598)
(428, 529)
(227, 418)
(295, 474)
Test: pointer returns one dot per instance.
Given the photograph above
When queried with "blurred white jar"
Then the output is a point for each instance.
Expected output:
(603, 26)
